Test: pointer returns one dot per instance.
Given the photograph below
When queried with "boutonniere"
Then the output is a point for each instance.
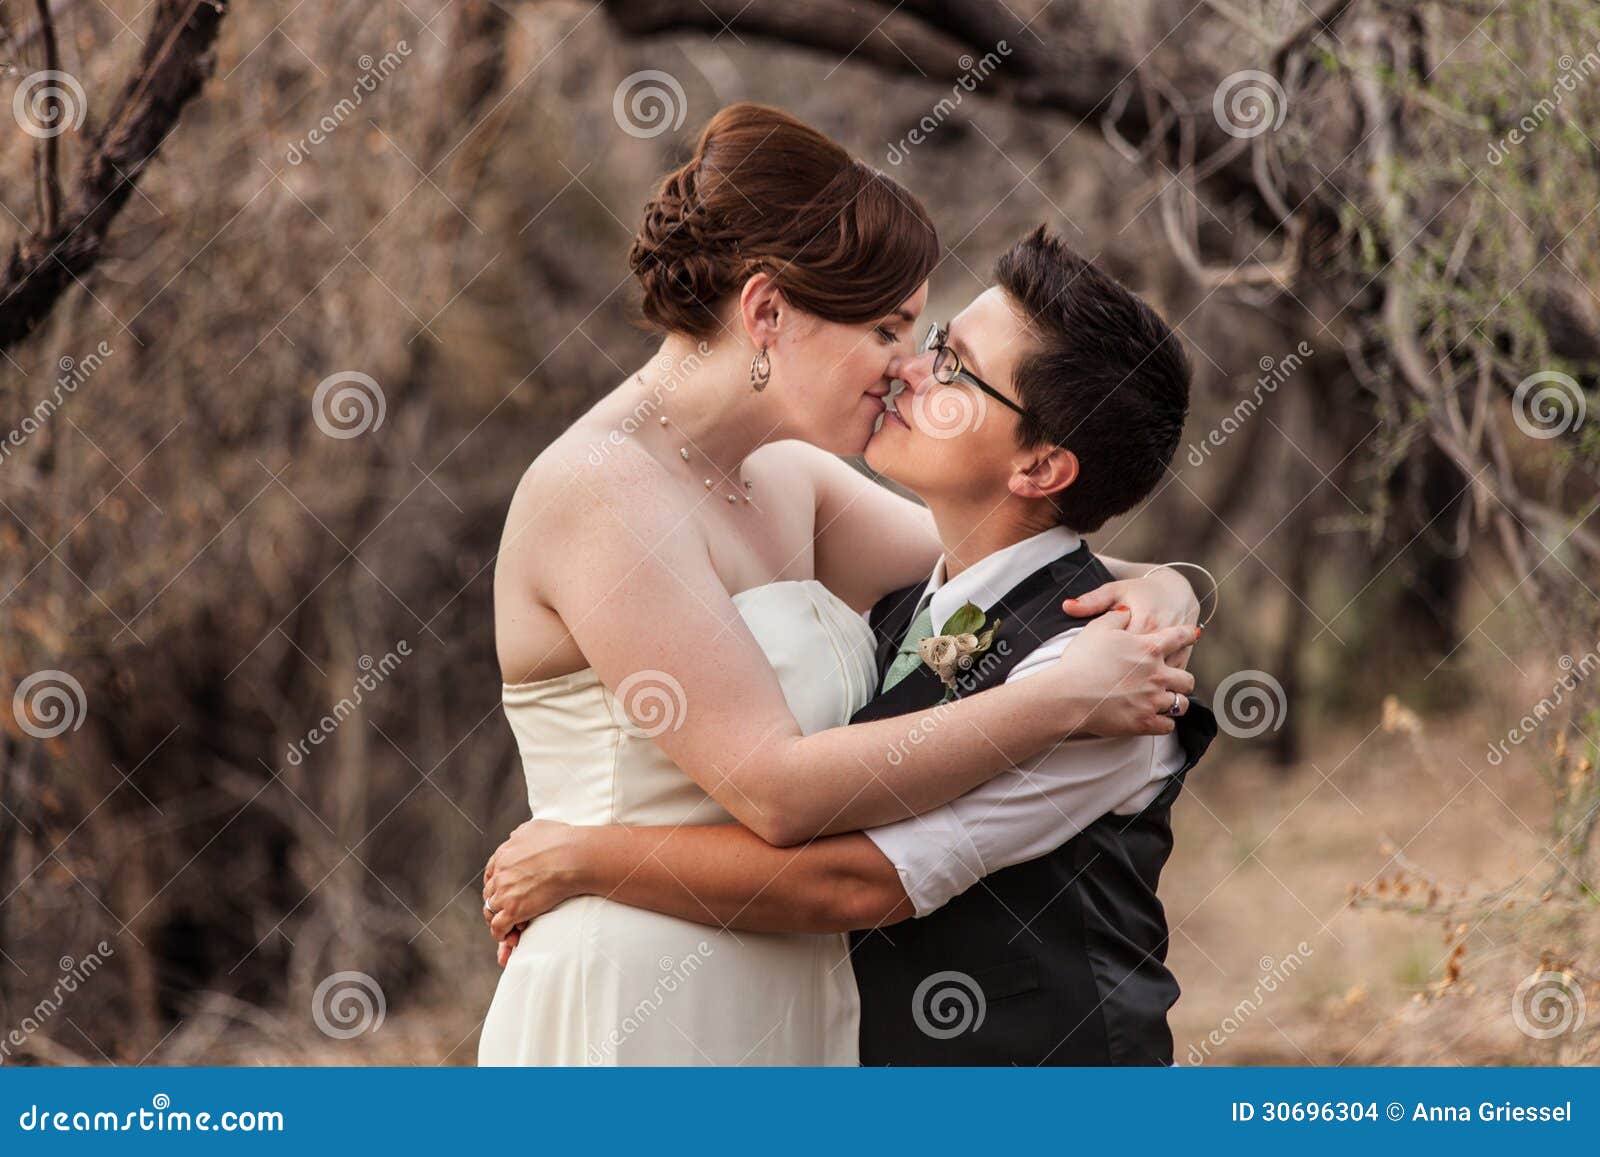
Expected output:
(964, 637)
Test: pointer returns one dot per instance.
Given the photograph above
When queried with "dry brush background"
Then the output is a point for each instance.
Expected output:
(1371, 221)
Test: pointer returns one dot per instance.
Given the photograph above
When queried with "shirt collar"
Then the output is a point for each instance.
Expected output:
(992, 577)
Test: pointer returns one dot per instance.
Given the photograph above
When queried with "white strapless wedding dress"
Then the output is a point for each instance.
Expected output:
(594, 982)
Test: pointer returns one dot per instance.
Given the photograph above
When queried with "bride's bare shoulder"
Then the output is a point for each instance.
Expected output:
(791, 461)
(585, 474)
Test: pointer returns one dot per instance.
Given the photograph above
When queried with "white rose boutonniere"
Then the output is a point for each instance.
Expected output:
(962, 640)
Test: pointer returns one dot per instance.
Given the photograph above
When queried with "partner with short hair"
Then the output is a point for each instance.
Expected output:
(1052, 403)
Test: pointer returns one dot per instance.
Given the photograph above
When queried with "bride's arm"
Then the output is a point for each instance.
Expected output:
(871, 540)
(620, 563)
(1158, 595)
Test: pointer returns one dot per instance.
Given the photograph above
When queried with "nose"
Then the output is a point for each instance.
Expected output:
(912, 369)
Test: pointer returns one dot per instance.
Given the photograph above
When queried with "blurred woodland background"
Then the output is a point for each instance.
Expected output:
(294, 293)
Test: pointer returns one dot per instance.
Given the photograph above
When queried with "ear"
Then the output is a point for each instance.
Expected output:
(1043, 471)
(761, 308)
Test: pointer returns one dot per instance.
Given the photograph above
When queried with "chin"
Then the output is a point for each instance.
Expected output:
(884, 452)
(856, 444)
(850, 440)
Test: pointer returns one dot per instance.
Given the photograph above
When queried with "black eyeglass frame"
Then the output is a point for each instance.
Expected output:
(947, 367)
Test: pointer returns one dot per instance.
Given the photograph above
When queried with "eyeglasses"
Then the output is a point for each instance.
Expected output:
(947, 367)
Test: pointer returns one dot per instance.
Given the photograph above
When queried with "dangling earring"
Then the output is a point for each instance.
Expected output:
(760, 370)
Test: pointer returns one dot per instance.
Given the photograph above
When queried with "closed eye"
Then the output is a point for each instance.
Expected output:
(886, 335)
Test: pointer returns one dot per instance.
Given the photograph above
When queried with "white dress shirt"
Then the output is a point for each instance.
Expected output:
(1027, 811)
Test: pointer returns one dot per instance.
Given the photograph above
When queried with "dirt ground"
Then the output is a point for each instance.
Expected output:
(1279, 963)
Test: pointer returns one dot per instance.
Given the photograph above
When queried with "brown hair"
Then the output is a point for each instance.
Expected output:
(764, 191)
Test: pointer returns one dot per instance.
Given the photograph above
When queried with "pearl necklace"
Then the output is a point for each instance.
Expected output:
(683, 452)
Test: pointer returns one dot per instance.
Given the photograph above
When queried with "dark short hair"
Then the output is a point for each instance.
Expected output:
(1105, 378)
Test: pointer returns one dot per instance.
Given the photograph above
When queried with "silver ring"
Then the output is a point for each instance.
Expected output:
(1177, 705)
(488, 909)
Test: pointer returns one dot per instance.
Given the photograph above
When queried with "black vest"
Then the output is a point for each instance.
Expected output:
(1069, 950)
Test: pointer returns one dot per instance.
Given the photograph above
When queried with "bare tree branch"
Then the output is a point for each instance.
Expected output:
(175, 63)
(45, 157)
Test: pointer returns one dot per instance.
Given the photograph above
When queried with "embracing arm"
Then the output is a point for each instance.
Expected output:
(870, 540)
(635, 587)
(717, 874)
(726, 876)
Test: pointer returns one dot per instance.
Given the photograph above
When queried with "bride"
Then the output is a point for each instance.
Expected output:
(679, 601)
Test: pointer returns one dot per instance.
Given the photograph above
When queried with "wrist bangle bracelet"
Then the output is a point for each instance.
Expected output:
(1216, 596)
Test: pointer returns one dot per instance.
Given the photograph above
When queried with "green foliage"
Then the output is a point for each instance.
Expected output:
(966, 621)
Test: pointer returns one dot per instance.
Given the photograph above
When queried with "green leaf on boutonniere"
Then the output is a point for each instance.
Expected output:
(965, 621)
